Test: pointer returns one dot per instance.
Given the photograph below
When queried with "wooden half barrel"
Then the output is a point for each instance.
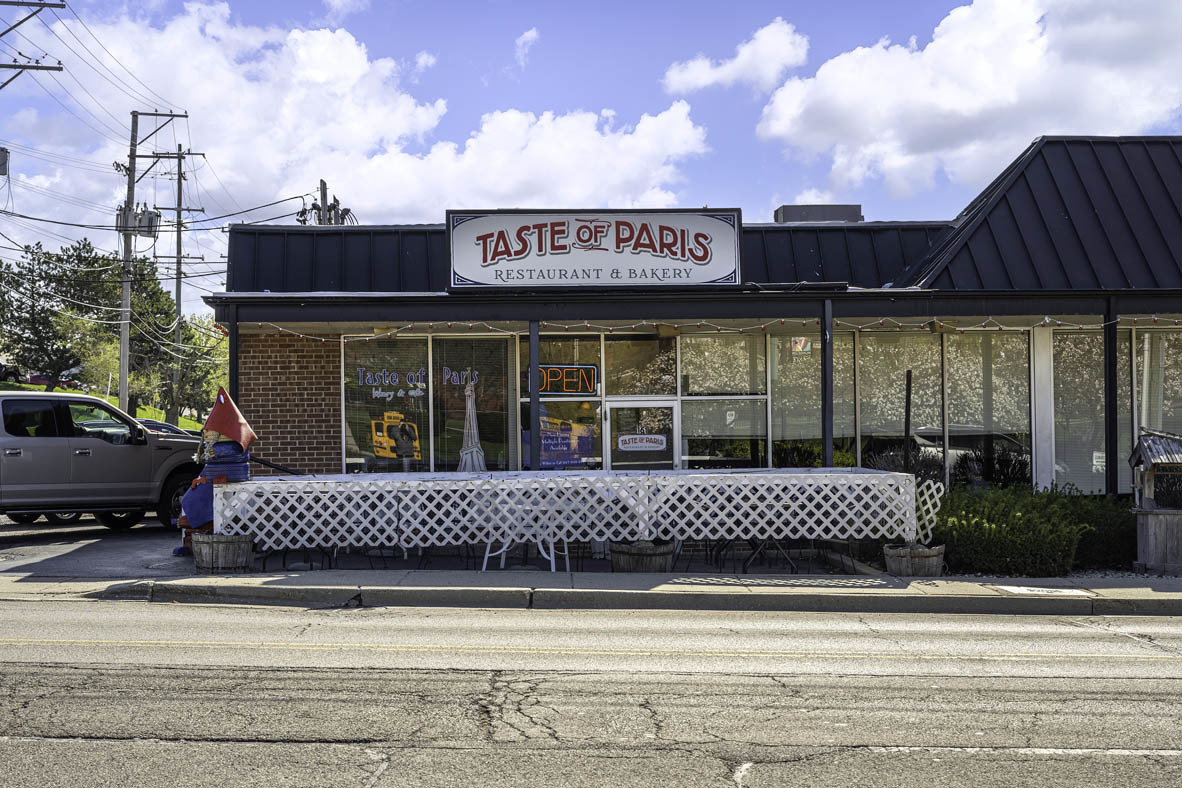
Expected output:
(643, 556)
(223, 553)
(903, 560)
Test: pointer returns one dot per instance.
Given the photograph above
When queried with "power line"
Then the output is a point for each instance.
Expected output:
(66, 158)
(130, 73)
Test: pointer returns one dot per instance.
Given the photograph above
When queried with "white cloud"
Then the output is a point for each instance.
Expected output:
(814, 196)
(425, 60)
(276, 109)
(761, 61)
(522, 45)
(996, 74)
(339, 9)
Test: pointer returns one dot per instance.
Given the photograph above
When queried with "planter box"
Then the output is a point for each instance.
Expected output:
(223, 553)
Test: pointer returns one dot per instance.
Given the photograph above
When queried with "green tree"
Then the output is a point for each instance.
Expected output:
(42, 329)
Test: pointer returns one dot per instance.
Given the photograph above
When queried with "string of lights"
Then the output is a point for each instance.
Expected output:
(885, 323)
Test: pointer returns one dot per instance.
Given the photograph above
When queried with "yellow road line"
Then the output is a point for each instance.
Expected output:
(559, 650)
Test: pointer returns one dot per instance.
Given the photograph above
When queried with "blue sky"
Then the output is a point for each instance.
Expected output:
(409, 108)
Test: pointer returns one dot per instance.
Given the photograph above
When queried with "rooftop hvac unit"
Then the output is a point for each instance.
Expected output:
(147, 223)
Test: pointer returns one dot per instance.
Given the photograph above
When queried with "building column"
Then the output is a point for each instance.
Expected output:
(827, 384)
(535, 399)
(1111, 419)
(1042, 406)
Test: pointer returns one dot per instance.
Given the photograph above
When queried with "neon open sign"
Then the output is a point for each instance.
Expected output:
(568, 380)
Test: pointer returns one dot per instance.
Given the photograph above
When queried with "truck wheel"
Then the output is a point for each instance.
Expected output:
(119, 521)
(63, 518)
(24, 518)
(170, 498)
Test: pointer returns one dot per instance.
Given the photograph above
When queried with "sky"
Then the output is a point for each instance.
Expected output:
(410, 107)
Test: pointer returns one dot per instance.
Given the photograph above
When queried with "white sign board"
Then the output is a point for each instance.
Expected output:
(641, 443)
(520, 250)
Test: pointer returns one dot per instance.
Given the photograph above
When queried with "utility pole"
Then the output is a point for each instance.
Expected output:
(132, 222)
(328, 213)
(172, 415)
(128, 250)
(31, 64)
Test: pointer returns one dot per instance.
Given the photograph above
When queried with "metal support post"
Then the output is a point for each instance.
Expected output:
(535, 398)
(1111, 417)
(827, 384)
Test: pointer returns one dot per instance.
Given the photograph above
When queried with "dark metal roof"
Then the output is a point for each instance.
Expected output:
(414, 258)
(864, 254)
(1070, 213)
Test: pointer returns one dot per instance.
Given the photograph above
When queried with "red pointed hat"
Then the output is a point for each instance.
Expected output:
(226, 419)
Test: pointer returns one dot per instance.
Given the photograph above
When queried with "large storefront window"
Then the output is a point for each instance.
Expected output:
(723, 364)
(387, 426)
(640, 366)
(571, 437)
(726, 433)
(989, 408)
(573, 366)
(883, 361)
(472, 404)
(796, 401)
(1079, 409)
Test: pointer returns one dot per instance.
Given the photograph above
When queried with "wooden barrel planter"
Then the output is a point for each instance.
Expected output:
(642, 556)
(914, 560)
(223, 553)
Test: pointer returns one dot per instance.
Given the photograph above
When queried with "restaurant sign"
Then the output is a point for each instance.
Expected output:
(526, 250)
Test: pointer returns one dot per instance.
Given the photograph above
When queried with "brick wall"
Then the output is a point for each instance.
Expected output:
(289, 390)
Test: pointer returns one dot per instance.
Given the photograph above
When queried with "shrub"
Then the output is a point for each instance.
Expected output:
(1011, 531)
(1112, 540)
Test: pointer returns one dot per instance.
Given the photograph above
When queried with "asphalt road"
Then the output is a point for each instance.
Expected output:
(109, 693)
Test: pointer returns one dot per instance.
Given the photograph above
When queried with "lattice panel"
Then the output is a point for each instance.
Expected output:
(422, 510)
(928, 497)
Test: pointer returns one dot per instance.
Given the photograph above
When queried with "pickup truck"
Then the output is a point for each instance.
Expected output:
(62, 454)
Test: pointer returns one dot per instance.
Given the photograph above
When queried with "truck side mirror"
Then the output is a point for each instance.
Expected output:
(139, 436)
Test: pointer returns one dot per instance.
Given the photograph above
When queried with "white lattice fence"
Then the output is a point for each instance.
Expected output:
(427, 509)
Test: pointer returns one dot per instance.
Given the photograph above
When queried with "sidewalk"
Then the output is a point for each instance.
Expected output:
(137, 566)
(586, 590)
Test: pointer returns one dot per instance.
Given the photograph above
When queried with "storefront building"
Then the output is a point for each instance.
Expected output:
(1040, 327)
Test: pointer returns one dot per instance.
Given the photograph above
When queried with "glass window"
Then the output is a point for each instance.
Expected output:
(386, 409)
(1158, 355)
(796, 401)
(642, 437)
(473, 418)
(640, 366)
(883, 361)
(573, 353)
(1079, 409)
(723, 364)
(95, 421)
(989, 408)
(30, 418)
(728, 433)
(571, 437)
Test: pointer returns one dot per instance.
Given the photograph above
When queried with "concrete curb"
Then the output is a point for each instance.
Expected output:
(225, 591)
